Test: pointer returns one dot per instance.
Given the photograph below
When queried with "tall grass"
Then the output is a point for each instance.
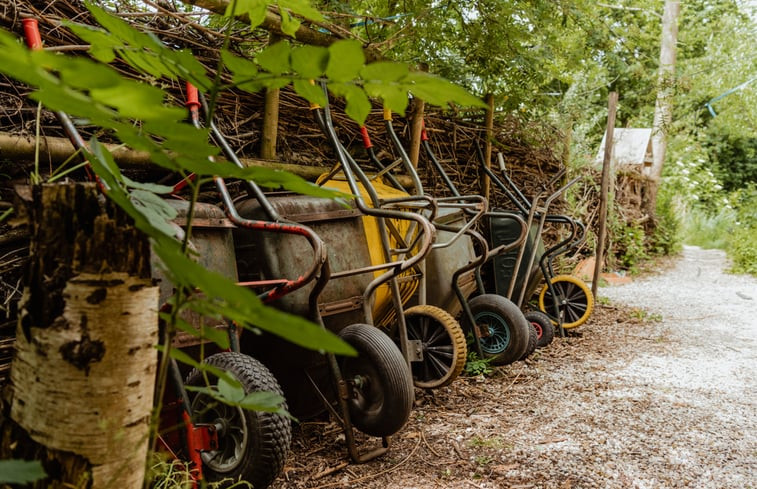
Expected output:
(708, 230)
(732, 228)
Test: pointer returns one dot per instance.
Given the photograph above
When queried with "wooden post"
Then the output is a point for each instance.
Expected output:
(270, 118)
(418, 109)
(489, 134)
(605, 190)
(84, 371)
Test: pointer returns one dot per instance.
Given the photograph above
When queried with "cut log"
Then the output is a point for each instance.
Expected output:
(58, 150)
(83, 377)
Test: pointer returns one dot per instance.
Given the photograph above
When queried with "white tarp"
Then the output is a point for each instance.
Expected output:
(630, 147)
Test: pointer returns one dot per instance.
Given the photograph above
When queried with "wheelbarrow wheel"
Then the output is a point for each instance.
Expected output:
(574, 301)
(378, 381)
(531, 348)
(443, 343)
(545, 330)
(501, 326)
(252, 445)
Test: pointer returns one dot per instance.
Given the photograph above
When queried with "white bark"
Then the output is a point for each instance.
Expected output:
(663, 113)
(85, 383)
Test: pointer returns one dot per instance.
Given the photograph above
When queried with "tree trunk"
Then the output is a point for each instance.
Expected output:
(57, 150)
(663, 113)
(485, 183)
(269, 136)
(83, 377)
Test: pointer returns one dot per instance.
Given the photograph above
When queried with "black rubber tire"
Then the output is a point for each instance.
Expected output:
(443, 343)
(380, 386)
(545, 330)
(509, 330)
(531, 342)
(257, 450)
(578, 301)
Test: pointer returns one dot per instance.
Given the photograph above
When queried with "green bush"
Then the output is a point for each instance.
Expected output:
(628, 245)
(666, 236)
(743, 250)
(742, 242)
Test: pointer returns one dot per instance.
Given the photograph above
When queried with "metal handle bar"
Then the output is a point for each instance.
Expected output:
(522, 205)
(34, 42)
(474, 207)
(319, 269)
(435, 162)
(384, 170)
(403, 155)
(560, 190)
(474, 212)
(427, 230)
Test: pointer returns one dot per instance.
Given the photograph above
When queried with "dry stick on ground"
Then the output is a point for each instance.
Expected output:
(379, 473)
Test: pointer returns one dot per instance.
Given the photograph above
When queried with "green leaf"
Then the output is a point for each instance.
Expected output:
(394, 96)
(230, 389)
(154, 202)
(101, 45)
(255, 10)
(275, 82)
(289, 24)
(312, 93)
(241, 68)
(98, 75)
(385, 71)
(143, 51)
(137, 100)
(21, 471)
(267, 177)
(438, 91)
(262, 401)
(275, 58)
(309, 61)
(358, 105)
(219, 336)
(346, 59)
(303, 8)
(186, 359)
(254, 401)
(149, 187)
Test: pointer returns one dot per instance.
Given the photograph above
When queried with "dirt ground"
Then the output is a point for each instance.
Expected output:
(658, 390)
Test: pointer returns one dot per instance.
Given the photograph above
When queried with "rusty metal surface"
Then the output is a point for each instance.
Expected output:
(441, 264)
(214, 246)
(270, 256)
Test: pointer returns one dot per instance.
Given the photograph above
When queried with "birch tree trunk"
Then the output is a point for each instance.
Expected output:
(663, 114)
(83, 375)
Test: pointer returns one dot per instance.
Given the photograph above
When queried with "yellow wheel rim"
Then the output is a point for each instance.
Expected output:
(575, 300)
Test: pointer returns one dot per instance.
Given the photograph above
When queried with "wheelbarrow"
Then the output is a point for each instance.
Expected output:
(450, 271)
(502, 328)
(432, 331)
(566, 300)
(372, 392)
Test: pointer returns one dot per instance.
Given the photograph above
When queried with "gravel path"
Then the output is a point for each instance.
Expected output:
(704, 385)
(658, 390)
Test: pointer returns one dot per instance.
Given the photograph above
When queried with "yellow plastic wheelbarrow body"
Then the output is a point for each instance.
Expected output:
(383, 310)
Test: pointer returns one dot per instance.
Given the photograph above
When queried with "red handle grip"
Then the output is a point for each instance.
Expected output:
(424, 136)
(193, 97)
(366, 138)
(31, 33)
